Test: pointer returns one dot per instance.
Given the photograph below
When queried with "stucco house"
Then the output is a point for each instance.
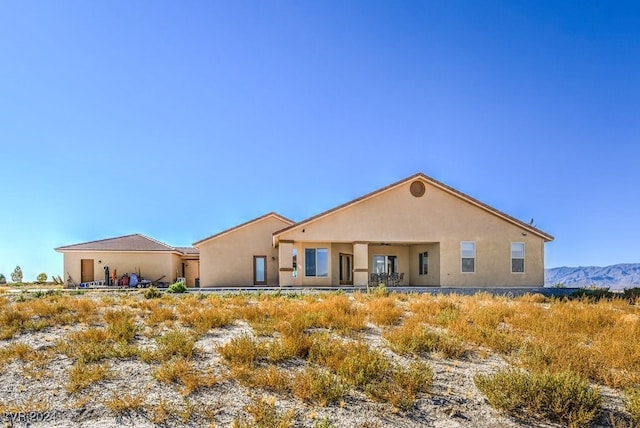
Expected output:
(154, 260)
(243, 255)
(415, 232)
(418, 230)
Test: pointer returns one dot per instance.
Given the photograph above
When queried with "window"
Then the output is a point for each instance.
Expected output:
(517, 257)
(294, 255)
(259, 270)
(423, 263)
(316, 262)
(468, 256)
(385, 264)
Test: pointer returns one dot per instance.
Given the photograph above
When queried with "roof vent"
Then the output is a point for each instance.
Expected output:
(417, 188)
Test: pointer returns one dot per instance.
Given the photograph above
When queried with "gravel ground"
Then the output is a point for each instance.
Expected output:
(453, 401)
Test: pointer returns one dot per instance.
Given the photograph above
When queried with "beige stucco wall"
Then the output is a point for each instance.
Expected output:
(227, 260)
(438, 220)
(152, 265)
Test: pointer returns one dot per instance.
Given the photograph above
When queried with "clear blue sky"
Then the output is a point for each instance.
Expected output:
(180, 119)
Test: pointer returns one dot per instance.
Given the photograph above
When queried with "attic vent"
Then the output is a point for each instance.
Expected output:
(417, 188)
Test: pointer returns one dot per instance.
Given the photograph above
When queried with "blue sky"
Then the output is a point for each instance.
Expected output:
(180, 119)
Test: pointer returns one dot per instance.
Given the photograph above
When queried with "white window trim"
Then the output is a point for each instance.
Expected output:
(524, 257)
(475, 257)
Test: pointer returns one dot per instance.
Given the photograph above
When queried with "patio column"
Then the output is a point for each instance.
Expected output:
(361, 263)
(285, 260)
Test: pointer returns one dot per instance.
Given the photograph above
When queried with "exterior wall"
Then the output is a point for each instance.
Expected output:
(432, 278)
(395, 216)
(227, 260)
(192, 271)
(152, 265)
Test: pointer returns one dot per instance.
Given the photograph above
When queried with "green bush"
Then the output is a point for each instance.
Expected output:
(560, 397)
(3, 279)
(632, 403)
(42, 278)
(177, 287)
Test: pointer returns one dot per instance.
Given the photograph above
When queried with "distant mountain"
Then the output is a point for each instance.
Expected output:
(626, 275)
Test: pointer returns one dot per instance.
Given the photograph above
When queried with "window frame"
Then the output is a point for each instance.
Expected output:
(423, 263)
(523, 258)
(315, 260)
(462, 258)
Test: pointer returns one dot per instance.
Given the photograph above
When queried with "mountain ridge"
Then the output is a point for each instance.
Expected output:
(622, 275)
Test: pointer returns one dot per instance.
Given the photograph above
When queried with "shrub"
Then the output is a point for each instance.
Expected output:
(82, 375)
(632, 403)
(354, 362)
(3, 279)
(317, 386)
(561, 397)
(182, 371)
(240, 351)
(402, 385)
(177, 287)
(384, 311)
(121, 326)
(88, 346)
(122, 404)
(265, 415)
(175, 343)
(16, 275)
(271, 377)
(42, 278)
(152, 293)
(288, 347)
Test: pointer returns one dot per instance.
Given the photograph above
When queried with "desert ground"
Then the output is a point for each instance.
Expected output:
(146, 358)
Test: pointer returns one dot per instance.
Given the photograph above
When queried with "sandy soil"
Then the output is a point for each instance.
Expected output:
(453, 401)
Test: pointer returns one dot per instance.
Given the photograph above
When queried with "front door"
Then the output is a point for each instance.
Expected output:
(86, 270)
(259, 270)
(346, 270)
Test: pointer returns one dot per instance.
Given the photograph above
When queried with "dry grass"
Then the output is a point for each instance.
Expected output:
(243, 350)
(384, 311)
(181, 371)
(561, 397)
(122, 404)
(264, 414)
(82, 375)
(321, 336)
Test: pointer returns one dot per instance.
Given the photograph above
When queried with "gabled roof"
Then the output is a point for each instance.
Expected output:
(431, 181)
(243, 225)
(135, 242)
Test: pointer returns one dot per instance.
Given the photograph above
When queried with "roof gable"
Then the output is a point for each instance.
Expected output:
(135, 242)
(243, 225)
(429, 180)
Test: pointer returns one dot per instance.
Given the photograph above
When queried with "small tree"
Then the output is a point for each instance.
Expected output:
(16, 275)
(3, 280)
(42, 278)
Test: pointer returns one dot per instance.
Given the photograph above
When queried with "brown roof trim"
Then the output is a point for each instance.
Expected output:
(247, 223)
(434, 182)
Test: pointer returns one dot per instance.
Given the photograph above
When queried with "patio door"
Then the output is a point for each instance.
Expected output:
(346, 270)
(259, 270)
(86, 270)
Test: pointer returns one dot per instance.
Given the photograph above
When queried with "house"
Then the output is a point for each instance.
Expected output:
(415, 232)
(417, 228)
(153, 260)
